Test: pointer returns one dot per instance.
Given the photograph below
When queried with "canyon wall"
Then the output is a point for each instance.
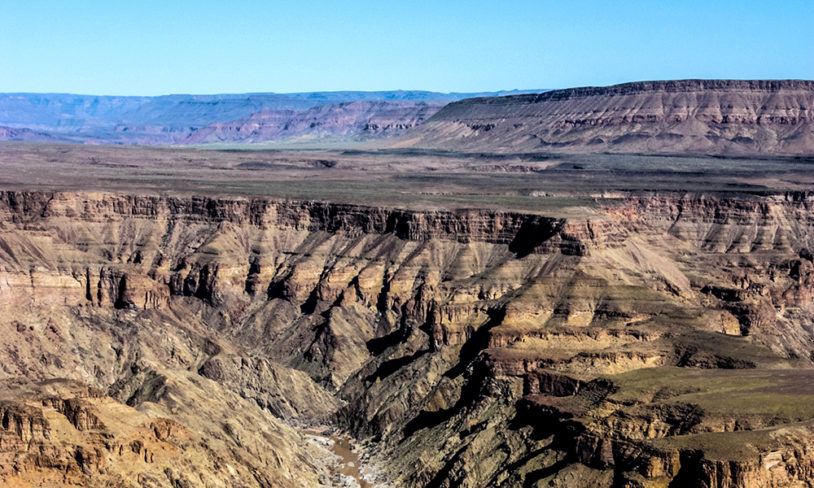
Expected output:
(466, 347)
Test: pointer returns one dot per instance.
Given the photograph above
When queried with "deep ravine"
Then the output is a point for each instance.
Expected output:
(655, 339)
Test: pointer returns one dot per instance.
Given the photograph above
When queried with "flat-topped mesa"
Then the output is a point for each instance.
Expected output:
(658, 86)
(684, 116)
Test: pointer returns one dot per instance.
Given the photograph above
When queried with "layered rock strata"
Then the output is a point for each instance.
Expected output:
(675, 117)
(637, 344)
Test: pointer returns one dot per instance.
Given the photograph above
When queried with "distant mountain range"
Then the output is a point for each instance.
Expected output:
(730, 117)
(23, 134)
(173, 118)
(360, 120)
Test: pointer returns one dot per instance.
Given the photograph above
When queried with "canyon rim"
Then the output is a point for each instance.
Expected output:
(198, 317)
(356, 244)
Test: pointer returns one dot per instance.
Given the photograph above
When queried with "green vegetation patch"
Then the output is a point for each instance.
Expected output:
(783, 394)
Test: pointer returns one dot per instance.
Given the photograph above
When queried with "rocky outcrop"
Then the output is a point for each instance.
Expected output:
(286, 392)
(685, 116)
(62, 433)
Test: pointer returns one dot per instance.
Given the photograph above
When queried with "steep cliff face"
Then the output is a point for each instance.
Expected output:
(687, 116)
(637, 343)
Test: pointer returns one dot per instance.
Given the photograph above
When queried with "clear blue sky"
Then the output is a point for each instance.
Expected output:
(150, 47)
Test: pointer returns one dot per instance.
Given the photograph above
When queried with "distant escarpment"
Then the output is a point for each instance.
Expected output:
(360, 120)
(653, 340)
(168, 119)
(730, 117)
(23, 134)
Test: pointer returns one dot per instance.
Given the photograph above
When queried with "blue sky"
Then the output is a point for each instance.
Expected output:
(158, 47)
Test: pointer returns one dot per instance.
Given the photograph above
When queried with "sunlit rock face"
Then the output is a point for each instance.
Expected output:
(663, 339)
(673, 117)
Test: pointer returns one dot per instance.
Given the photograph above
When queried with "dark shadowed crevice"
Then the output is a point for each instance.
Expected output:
(389, 367)
(532, 234)
(478, 342)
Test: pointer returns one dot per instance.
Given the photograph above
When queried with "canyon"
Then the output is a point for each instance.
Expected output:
(473, 347)
(448, 307)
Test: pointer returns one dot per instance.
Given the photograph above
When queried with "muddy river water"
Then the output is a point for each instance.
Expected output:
(349, 460)
(347, 463)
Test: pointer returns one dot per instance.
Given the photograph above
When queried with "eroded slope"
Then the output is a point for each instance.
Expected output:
(657, 339)
(674, 117)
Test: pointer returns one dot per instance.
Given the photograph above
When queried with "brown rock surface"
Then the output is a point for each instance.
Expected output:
(675, 117)
(63, 433)
(653, 338)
